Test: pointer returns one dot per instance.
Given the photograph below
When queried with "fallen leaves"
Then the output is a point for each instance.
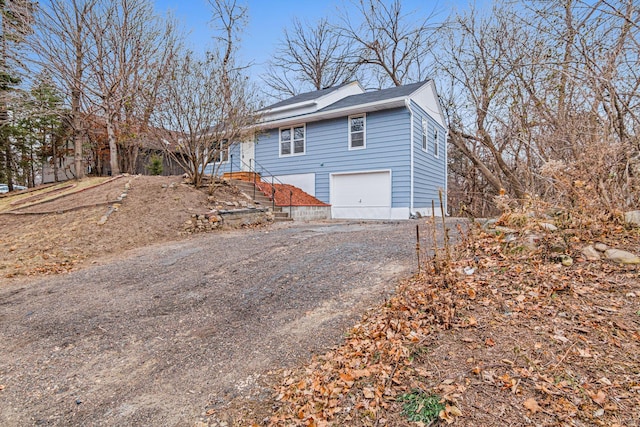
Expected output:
(450, 413)
(600, 397)
(363, 377)
(368, 393)
(532, 405)
(518, 332)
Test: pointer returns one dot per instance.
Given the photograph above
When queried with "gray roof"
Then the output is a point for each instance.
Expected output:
(378, 95)
(308, 96)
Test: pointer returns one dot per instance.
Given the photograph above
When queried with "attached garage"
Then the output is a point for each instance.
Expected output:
(361, 195)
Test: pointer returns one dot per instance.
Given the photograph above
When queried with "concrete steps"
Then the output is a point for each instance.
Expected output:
(281, 216)
(248, 188)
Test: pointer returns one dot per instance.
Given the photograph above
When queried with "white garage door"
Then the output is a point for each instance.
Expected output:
(365, 195)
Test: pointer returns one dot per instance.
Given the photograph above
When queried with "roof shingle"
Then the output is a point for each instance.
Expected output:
(373, 96)
(307, 96)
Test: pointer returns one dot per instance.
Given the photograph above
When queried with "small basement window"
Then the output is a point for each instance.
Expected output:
(357, 128)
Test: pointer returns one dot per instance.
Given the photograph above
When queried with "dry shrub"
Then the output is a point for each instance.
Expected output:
(598, 185)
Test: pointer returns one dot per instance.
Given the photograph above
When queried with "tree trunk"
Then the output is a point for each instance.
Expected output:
(77, 140)
(458, 141)
(135, 152)
(54, 155)
(32, 169)
(76, 94)
(7, 156)
(113, 148)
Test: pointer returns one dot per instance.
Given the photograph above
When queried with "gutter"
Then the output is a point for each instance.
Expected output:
(407, 102)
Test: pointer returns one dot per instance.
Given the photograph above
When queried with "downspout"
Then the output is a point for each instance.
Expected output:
(446, 173)
(407, 102)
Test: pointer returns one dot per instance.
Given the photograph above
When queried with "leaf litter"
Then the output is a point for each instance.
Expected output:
(504, 336)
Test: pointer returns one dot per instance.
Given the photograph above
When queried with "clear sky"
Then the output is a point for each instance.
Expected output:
(268, 18)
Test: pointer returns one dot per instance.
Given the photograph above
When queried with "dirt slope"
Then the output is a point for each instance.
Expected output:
(60, 235)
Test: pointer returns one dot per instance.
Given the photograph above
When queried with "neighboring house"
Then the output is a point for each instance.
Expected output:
(139, 151)
(65, 167)
(370, 155)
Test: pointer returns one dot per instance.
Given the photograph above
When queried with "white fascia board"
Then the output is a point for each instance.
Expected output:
(384, 104)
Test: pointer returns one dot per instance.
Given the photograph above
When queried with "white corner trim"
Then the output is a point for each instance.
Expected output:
(408, 104)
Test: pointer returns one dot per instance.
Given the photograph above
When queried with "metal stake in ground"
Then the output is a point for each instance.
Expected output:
(418, 245)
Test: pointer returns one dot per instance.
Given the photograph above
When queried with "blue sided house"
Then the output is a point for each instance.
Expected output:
(370, 155)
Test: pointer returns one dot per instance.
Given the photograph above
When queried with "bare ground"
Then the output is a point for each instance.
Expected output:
(63, 234)
(168, 333)
(255, 327)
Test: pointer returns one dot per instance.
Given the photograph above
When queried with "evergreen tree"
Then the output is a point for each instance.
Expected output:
(15, 25)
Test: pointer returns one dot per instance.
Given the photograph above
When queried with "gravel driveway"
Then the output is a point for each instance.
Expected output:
(159, 335)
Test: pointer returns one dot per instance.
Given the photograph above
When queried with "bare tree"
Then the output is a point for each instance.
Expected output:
(543, 93)
(15, 25)
(132, 50)
(311, 57)
(391, 45)
(62, 44)
(229, 19)
(207, 107)
(481, 79)
(157, 52)
(203, 113)
(586, 98)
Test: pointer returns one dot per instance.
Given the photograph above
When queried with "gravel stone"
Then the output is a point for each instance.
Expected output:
(154, 335)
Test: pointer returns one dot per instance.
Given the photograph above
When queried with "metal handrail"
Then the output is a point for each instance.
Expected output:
(263, 170)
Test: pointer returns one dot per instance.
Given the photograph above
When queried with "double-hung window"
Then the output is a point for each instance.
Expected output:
(221, 154)
(292, 140)
(357, 130)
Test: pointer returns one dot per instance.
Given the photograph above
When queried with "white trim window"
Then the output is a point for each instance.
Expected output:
(292, 141)
(357, 132)
(436, 143)
(222, 152)
(424, 134)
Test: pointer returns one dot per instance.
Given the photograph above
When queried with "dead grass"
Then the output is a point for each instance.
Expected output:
(48, 193)
(57, 229)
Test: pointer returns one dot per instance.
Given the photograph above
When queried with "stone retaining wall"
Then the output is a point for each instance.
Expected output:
(235, 218)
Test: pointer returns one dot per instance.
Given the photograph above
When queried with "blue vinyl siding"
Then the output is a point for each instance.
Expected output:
(429, 171)
(327, 151)
(226, 166)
